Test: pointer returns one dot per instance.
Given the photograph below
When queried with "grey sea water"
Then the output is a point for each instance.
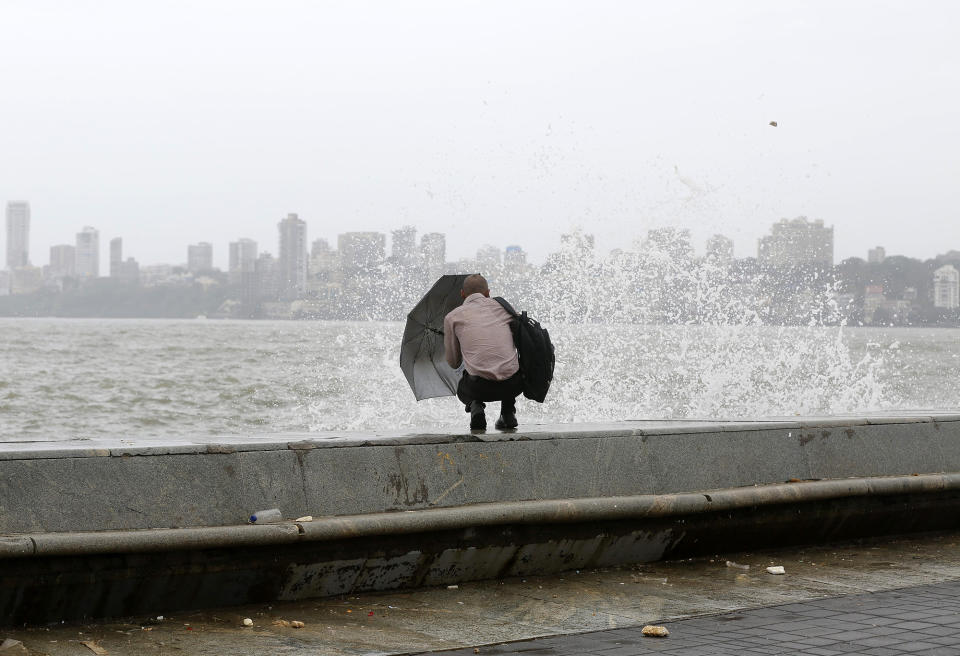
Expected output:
(87, 378)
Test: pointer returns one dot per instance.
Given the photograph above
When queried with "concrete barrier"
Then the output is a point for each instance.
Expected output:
(119, 485)
(103, 528)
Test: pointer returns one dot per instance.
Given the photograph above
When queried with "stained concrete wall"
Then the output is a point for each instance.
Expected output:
(124, 484)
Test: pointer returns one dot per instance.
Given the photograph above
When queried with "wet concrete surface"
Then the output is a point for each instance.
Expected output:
(922, 620)
(487, 612)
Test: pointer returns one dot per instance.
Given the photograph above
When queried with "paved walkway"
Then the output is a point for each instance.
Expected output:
(923, 620)
(880, 577)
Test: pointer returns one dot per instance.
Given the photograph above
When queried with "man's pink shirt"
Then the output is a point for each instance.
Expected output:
(478, 333)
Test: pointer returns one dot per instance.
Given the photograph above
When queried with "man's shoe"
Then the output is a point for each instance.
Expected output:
(478, 418)
(507, 420)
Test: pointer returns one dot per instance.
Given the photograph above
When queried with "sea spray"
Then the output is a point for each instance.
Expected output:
(264, 377)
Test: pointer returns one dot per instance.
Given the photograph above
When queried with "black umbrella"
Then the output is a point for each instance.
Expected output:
(421, 354)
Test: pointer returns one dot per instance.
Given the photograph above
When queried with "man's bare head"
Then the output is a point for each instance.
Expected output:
(475, 284)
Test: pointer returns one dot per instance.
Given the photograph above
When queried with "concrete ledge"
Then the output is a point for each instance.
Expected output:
(129, 484)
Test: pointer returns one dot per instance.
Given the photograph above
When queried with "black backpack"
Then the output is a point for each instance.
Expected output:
(535, 351)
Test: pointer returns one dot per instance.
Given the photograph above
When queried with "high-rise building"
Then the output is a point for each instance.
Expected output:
(361, 252)
(292, 260)
(876, 255)
(267, 277)
(946, 287)
(720, 248)
(488, 260)
(669, 241)
(63, 261)
(404, 246)
(797, 241)
(324, 267)
(18, 234)
(243, 258)
(319, 247)
(88, 253)
(129, 270)
(514, 261)
(116, 256)
(514, 257)
(433, 253)
(199, 257)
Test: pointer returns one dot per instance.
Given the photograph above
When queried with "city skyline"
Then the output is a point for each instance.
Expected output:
(207, 255)
(314, 279)
(17, 234)
(459, 250)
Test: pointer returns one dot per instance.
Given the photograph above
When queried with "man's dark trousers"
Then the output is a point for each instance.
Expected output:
(474, 388)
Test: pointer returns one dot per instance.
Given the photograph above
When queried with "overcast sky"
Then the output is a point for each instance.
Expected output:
(169, 122)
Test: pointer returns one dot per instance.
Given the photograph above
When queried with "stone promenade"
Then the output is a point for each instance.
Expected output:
(853, 596)
(923, 620)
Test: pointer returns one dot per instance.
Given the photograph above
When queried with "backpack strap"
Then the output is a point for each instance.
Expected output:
(506, 306)
(515, 323)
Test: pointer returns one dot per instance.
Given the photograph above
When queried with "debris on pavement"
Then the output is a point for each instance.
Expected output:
(94, 647)
(452, 587)
(651, 631)
(734, 565)
(247, 621)
(11, 646)
(305, 518)
(293, 624)
(776, 569)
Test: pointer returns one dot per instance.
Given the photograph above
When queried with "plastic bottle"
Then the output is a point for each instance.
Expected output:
(270, 516)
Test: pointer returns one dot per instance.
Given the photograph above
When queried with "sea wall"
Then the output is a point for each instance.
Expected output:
(133, 484)
(104, 528)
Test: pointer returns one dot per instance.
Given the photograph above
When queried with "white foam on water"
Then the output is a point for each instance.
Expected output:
(650, 334)
(611, 373)
(643, 334)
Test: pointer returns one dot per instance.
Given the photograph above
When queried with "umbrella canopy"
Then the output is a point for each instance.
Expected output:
(421, 353)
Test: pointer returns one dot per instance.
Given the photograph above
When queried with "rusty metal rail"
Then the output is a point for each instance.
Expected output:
(550, 511)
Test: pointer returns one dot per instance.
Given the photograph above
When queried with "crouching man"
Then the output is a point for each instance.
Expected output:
(478, 334)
